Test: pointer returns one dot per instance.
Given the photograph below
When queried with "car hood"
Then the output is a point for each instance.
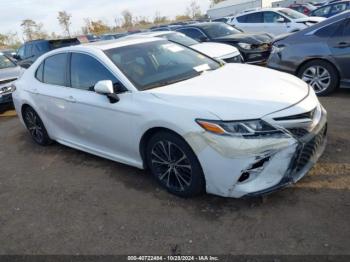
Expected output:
(10, 73)
(231, 93)
(247, 38)
(216, 50)
(311, 19)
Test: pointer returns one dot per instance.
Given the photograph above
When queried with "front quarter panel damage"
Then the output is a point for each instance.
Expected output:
(232, 156)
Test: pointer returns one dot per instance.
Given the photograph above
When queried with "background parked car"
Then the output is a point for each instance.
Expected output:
(9, 72)
(332, 9)
(255, 48)
(112, 36)
(30, 51)
(8, 52)
(228, 53)
(305, 9)
(274, 21)
(319, 55)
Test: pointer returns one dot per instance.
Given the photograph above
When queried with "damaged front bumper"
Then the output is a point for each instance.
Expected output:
(308, 151)
(239, 167)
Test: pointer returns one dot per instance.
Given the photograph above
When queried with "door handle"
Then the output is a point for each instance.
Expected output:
(70, 99)
(342, 45)
(34, 91)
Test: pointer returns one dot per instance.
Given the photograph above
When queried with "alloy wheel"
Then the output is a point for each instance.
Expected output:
(317, 77)
(171, 165)
(34, 125)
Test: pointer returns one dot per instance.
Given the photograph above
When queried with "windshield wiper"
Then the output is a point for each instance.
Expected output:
(173, 81)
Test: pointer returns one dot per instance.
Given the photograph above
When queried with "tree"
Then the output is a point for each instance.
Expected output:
(97, 27)
(182, 18)
(194, 10)
(32, 30)
(158, 19)
(64, 20)
(128, 19)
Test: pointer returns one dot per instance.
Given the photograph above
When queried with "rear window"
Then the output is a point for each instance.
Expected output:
(54, 44)
(55, 70)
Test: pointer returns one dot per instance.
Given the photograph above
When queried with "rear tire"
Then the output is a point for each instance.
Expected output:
(36, 127)
(321, 76)
(174, 165)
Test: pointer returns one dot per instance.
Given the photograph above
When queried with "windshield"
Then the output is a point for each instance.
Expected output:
(158, 63)
(6, 62)
(181, 39)
(216, 30)
(292, 14)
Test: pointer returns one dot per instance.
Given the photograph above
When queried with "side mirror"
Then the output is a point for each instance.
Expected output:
(17, 57)
(203, 39)
(281, 20)
(105, 87)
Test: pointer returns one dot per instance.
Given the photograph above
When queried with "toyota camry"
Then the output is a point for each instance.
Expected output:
(195, 123)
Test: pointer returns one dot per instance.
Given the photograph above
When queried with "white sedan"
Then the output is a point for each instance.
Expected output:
(275, 21)
(228, 53)
(233, 130)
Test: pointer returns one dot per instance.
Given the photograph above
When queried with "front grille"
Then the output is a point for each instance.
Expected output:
(235, 59)
(309, 149)
(308, 115)
(7, 81)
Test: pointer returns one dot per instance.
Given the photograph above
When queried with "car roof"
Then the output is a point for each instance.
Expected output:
(156, 33)
(257, 10)
(334, 3)
(200, 25)
(110, 44)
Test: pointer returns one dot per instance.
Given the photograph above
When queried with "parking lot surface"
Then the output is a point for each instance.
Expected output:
(57, 200)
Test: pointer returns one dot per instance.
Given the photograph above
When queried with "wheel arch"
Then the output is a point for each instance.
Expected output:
(315, 59)
(147, 136)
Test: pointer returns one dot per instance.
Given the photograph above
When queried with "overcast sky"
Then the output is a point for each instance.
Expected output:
(45, 11)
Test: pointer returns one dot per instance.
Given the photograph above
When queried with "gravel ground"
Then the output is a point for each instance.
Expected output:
(57, 200)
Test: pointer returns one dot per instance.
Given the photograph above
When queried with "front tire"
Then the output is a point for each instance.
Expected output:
(321, 76)
(36, 127)
(174, 165)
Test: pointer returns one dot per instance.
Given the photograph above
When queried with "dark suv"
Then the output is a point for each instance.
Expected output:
(30, 51)
(319, 54)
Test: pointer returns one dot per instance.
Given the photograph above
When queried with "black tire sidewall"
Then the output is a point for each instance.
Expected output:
(197, 185)
(332, 71)
(46, 139)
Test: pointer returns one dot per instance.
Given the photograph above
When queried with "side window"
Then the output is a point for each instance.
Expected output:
(86, 71)
(329, 30)
(193, 33)
(28, 51)
(255, 18)
(20, 52)
(39, 74)
(272, 17)
(55, 70)
(242, 19)
(324, 11)
(337, 8)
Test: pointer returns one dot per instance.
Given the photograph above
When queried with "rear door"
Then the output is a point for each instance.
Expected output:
(51, 93)
(339, 45)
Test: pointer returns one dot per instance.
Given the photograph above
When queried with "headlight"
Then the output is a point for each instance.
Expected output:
(238, 128)
(245, 45)
(277, 49)
(7, 89)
